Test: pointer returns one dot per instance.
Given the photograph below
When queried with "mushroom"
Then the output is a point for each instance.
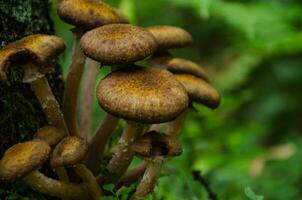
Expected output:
(70, 152)
(84, 15)
(118, 45)
(155, 148)
(23, 161)
(199, 91)
(35, 53)
(141, 96)
(50, 135)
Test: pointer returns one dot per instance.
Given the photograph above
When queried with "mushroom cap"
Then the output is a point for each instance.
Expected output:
(70, 151)
(21, 159)
(181, 66)
(154, 145)
(145, 95)
(89, 14)
(168, 37)
(118, 44)
(199, 90)
(50, 135)
(39, 48)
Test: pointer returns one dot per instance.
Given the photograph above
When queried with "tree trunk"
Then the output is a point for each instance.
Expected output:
(20, 112)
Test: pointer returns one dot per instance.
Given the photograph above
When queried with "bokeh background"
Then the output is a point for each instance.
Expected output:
(252, 51)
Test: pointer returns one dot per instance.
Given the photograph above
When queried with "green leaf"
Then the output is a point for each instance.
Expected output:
(251, 195)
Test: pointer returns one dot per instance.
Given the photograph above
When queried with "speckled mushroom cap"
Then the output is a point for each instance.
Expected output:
(146, 95)
(23, 158)
(50, 135)
(182, 66)
(89, 14)
(71, 150)
(168, 37)
(39, 48)
(154, 145)
(199, 90)
(118, 44)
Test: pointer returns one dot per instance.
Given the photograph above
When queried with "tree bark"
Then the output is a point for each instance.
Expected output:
(20, 112)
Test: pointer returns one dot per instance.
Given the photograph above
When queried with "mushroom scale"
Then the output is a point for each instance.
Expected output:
(89, 13)
(23, 158)
(145, 95)
(118, 44)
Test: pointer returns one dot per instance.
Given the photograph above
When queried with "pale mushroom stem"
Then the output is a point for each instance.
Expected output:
(48, 103)
(98, 142)
(148, 182)
(176, 125)
(123, 154)
(86, 101)
(51, 187)
(89, 180)
(72, 86)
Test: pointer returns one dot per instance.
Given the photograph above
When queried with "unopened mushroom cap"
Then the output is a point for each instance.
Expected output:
(89, 14)
(168, 37)
(39, 48)
(70, 151)
(146, 95)
(154, 145)
(118, 44)
(199, 90)
(50, 135)
(23, 158)
(182, 66)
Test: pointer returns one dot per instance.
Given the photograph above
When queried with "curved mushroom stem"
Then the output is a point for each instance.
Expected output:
(72, 85)
(51, 108)
(89, 180)
(62, 174)
(123, 155)
(149, 180)
(98, 142)
(51, 187)
(86, 101)
(176, 125)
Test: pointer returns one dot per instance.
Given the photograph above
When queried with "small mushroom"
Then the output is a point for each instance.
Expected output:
(23, 160)
(35, 53)
(141, 96)
(50, 135)
(70, 152)
(155, 148)
(117, 45)
(84, 15)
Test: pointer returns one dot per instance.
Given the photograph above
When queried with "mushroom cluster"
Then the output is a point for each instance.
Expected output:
(145, 97)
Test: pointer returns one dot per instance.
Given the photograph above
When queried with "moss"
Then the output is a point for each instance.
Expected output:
(20, 112)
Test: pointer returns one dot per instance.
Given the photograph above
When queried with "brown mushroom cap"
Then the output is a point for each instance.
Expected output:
(118, 44)
(50, 135)
(38, 48)
(199, 90)
(71, 150)
(23, 158)
(168, 37)
(181, 66)
(89, 14)
(146, 95)
(153, 145)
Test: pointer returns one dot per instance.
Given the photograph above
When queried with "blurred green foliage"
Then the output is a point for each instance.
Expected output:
(252, 50)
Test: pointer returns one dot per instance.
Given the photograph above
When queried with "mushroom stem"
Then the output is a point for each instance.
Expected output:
(132, 175)
(89, 180)
(176, 125)
(98, 142)
(149, 180)
(48, 103)
(72, 86)
(123, 155)
(51, 187)
(86, 101)
(62, 174)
